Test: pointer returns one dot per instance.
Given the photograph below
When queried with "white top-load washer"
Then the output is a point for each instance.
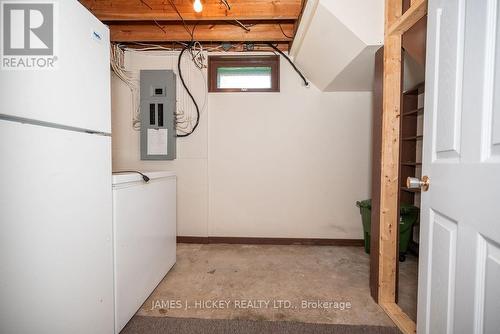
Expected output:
(144, 228)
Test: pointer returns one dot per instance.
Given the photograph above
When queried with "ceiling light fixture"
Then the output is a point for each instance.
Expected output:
(198, 7)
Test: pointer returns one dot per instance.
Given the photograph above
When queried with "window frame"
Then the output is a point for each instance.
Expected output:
(214, 62)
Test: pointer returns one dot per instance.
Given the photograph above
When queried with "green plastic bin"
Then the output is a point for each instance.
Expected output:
(365, 208)
(408, 217)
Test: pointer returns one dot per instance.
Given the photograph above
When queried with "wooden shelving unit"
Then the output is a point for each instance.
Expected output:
(411, 138)
(410, 190)
(411, 163)
(410, 141)
(418, 111)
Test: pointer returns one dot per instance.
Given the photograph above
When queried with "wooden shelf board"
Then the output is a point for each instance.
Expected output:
(415, 112)
(410, 190)
(415, 90)
(411, 163)
(412, 138)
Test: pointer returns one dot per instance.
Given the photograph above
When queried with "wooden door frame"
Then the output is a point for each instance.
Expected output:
(396, 24)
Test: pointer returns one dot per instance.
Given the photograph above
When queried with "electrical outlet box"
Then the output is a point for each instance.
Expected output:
(157, 114)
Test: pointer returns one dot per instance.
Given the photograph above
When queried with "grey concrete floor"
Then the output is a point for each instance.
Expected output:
(313, 284)
(407, 288)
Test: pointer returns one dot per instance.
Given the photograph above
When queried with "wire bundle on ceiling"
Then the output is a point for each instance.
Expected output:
(197, 55)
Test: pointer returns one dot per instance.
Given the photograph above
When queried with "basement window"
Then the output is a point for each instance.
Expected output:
(243, 74)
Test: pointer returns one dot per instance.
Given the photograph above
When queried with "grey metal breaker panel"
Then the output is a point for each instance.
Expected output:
(157, 110)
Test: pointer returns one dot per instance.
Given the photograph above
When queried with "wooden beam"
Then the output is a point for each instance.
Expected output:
(396, 23)
(391, 102)
(404, 323)
(417, 10)
(162, 10)
(150, 32)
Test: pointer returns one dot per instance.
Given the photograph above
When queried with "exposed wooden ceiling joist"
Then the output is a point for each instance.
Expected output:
(161, 10)
(235, 47)
(160, 21)
(152, 32)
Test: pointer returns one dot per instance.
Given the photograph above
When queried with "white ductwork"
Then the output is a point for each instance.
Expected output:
(336, 43)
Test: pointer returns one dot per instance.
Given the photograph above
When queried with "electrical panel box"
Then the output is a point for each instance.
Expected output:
(157, 114)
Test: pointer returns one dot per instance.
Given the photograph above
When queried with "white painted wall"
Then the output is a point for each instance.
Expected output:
(191, 164)
(288, 164)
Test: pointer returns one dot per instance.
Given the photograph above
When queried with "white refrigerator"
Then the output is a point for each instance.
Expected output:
(56, 254)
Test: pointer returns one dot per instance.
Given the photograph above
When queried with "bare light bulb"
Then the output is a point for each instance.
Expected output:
(198, 7)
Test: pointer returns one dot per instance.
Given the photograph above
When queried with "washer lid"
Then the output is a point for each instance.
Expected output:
(119, 178)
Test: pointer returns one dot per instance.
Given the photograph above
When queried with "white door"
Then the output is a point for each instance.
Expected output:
(459, 278)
